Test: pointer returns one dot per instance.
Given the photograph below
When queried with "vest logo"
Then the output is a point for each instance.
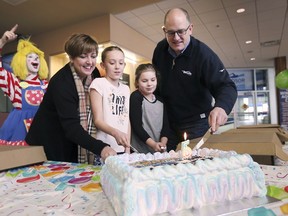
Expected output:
(202, 115)
(187, 72)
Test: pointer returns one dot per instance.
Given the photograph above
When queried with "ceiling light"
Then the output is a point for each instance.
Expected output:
(252, 59)
(270, 43)
(240, 10)
(248, 42)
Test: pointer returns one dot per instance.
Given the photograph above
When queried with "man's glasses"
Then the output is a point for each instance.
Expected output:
(180, 32)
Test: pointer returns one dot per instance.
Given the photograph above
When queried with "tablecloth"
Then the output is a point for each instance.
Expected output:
(60, 189)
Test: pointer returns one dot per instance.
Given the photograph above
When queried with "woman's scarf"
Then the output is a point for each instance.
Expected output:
(85, 114)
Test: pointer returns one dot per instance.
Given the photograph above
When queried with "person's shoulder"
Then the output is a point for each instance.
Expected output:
(163, 43)
(98, 83)
(137, 94)
(126, 87)
(63, 77)
(159, 98)
(99, 80)
(160, 51)
(198, 43)
(65, 71)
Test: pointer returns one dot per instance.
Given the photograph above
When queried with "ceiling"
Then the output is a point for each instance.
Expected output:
(265, 23)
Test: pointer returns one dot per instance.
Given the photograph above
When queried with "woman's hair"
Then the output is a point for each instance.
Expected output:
(141, 69)
(19, 63)
(109, 49)
(78, 44)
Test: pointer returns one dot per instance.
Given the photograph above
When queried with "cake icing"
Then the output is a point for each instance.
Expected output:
(136, 186)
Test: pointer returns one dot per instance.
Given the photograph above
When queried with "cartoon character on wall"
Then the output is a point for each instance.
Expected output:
(25, 87)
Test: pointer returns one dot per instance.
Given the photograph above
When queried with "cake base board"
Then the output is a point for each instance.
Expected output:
(233, 208)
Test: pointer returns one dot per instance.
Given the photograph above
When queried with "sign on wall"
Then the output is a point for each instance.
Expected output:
(243, 79)
(283, 108)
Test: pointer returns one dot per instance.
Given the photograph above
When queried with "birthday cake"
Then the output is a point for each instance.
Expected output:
(147, 184)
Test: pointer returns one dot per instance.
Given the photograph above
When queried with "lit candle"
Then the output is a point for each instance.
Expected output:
(185, 149)
(184, 143)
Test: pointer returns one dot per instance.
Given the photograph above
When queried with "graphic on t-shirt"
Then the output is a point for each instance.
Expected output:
(118, 104)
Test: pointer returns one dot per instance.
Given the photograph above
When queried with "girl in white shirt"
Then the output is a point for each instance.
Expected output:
(110, 101)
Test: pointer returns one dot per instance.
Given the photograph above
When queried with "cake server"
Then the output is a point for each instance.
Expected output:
(134, 149)
(203, 139)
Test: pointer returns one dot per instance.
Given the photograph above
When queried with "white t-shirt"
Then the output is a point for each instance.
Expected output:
(115, 101)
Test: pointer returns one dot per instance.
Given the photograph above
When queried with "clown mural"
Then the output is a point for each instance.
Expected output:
(25, 87)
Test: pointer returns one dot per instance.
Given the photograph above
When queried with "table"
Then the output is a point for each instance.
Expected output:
(60, 189)
(53, 188)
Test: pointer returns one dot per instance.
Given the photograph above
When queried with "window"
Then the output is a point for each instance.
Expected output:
(253, 104)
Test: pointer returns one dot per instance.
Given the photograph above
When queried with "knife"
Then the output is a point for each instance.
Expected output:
(203, 139)
(134, 149)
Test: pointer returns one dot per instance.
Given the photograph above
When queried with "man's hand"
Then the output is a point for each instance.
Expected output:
(217, 117)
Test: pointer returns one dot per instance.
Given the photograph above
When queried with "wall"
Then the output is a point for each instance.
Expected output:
(128, 38)
(124, 36)
(104, 29)
(53, 42)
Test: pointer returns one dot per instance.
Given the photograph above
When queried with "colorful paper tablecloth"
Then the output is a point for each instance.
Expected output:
(53, 188)
(60, 189)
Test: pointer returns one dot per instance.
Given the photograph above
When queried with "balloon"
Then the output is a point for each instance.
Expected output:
(282, 80)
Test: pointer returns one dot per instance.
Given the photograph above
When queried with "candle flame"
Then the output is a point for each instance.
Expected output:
(185, 135)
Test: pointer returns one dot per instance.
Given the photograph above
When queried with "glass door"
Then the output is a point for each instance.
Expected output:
(244, 109)
(253, 105)
(263, 112)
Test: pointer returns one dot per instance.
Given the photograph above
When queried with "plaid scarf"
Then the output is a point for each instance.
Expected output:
(85, 114)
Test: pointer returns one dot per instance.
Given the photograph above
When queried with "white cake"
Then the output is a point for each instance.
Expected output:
(139, 184)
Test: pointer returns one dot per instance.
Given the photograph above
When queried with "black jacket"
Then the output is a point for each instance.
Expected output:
(188, 82)
(56, 125)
